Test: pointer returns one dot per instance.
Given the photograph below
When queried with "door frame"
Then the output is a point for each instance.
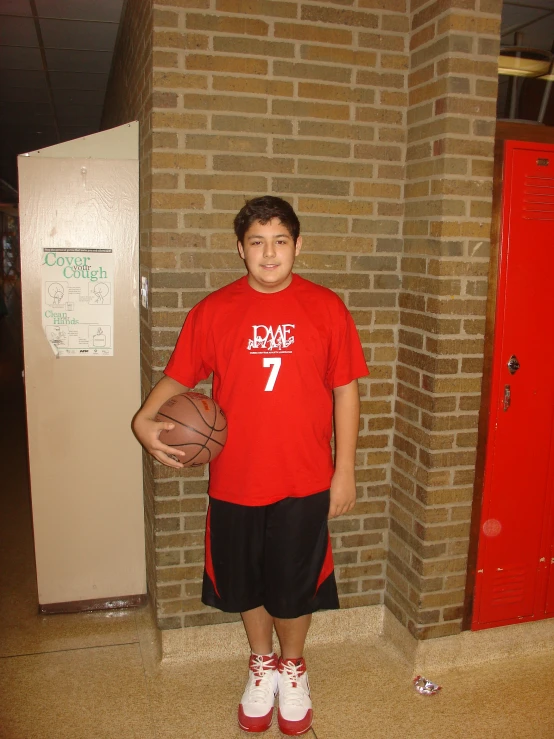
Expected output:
(505, 130)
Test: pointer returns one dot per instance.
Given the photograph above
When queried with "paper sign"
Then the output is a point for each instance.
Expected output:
(77, 301)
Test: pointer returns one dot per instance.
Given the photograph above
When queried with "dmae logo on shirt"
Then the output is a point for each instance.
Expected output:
(271, 339)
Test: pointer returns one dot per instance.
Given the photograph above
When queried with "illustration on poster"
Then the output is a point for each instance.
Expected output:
(56, 292)
(99, 292)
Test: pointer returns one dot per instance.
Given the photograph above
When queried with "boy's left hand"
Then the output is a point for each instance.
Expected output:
(343, 493)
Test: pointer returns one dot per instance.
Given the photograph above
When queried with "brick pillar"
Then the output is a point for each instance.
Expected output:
(451, 121)
(306, 101)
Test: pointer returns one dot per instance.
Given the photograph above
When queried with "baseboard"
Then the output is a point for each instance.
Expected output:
(469, 647)
(228, 639)
(367, 624)
(99, 604)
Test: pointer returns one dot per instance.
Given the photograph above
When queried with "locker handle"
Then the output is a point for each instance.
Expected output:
(507, 397)
(513, 364)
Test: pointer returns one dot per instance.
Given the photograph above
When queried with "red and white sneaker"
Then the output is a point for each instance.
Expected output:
(295, 705)
(256, 704)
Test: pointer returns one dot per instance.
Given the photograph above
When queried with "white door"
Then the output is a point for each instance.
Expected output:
(79, 210)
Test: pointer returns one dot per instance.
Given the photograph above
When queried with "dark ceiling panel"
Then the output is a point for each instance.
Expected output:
(61, 60)
(22, 78)
(540, 34)
(58, 34)
(24, 95)
(18, 32)
(537, 27)
(14, 57)
(78, 97)
(79, 115)
(23, 111)
(90, 10)
(46, 137)
(15, 7)
(41, 120)
(78, 80)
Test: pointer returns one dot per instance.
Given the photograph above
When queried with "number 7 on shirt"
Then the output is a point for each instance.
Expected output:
(275, 364)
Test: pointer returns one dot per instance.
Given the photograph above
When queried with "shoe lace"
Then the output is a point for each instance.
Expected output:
(261, 686)
(291, 689)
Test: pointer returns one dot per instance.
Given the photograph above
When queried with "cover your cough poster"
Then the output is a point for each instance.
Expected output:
(77, 301)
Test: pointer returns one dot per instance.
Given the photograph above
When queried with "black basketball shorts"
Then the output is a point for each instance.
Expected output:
(277, 556)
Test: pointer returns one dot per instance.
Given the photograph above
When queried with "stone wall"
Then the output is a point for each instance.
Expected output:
(451, 121)
(353, 111)
(308, 103)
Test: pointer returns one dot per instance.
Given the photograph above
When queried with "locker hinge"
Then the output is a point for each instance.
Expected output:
(542, 559)
(480, 572)
(552, 561)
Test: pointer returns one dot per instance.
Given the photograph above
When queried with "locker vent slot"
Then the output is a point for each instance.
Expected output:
(538, 198)
(508, 586)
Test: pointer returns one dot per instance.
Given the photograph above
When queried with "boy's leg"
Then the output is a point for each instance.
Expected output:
(299, 580)
(295, 705)
(292, 634)
(256, 704)
(258, 625)
(233, 582)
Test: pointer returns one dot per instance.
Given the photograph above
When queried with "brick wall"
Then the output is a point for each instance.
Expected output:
(307, 102)
(129, 98)
(350, 110)
(451, 120)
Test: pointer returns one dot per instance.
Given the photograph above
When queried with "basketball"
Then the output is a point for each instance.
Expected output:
(200, 427)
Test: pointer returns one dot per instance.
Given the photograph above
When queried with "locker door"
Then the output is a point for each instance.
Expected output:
(512, 547)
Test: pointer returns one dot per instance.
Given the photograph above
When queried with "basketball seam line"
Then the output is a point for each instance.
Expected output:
(212, 427)
(185, 425)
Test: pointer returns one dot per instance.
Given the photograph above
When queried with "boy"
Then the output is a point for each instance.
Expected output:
(282, 350)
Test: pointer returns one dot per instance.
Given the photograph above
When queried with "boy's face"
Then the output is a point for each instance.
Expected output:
(269, 252)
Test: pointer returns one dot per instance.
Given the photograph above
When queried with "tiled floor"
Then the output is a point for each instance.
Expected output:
(95, 676)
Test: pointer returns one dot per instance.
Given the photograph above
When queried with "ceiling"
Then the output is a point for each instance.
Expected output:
(55, 59)
(534, 20)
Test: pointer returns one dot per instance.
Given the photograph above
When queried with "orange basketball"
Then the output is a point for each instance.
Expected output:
(200, 427)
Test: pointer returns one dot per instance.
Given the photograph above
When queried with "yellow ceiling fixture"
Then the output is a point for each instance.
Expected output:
(520, 61)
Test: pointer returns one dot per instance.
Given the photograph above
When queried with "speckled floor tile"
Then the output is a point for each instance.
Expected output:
(22, 629)
(82, 694)
(97, 675)
(200, 700)
(362, 691)
(38, 634)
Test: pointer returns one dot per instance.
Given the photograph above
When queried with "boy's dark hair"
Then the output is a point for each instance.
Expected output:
(263, 210)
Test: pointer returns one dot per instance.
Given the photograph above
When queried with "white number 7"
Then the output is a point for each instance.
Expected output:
(275, 363)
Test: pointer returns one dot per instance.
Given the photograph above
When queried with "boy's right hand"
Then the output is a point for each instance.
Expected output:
(148, 431)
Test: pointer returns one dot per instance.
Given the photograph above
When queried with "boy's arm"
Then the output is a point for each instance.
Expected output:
(148, 431)
(347, 422)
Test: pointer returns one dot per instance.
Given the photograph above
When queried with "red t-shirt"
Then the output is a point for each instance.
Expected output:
(275, 358)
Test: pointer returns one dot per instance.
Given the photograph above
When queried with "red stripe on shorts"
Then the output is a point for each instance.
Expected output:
(208, 561)
(328, 565)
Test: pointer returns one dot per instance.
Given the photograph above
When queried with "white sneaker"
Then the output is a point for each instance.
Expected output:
(256, 705)
(295, 705)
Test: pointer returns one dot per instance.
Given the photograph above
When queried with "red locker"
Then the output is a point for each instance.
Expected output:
(515, 570)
